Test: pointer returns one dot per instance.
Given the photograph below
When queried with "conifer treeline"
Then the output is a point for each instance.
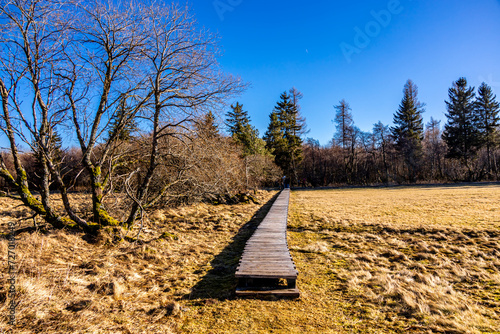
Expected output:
(466, 148)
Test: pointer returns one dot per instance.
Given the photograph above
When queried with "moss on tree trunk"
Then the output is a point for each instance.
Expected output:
(101, 216)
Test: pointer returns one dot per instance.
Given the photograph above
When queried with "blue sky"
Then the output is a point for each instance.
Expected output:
(361, 51)
(316, 47)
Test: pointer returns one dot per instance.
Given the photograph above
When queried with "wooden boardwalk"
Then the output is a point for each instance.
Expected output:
(266, 267)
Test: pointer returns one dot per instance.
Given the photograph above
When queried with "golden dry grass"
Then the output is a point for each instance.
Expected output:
(69, 285)
(412, 259)
(395, 260)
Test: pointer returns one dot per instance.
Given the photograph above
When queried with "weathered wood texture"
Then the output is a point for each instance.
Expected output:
(266, 260)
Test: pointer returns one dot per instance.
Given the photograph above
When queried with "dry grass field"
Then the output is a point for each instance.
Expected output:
(409, 259)
(381, 260)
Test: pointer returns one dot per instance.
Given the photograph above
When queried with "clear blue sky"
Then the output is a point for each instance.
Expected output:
(275, 45)
(316, 47)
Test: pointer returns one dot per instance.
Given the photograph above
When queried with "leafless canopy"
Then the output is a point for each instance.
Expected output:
(89, 69)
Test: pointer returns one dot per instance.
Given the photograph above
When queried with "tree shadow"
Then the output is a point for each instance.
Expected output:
(220, 282)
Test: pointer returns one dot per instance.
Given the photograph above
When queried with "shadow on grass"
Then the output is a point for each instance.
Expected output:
(220, 282)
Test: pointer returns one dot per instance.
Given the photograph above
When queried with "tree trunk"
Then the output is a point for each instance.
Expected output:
(101, 216)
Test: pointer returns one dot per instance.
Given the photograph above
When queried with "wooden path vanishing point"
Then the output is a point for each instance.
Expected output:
(266, 266)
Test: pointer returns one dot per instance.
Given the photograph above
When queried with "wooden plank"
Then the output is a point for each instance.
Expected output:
(266, 257)
(285, 258)
(291, 293)
(275, 270)
(275, 251)
(263, 248)
(275, 265)
(263, 260)
(259, 268)
(258, 271)
(269, 262)
(255, 253)
(269, 259)
(267, 275)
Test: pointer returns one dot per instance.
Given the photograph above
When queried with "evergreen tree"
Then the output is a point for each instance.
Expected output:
(488, 121)
(237, 119)
(123, 123)
(207, 127)
(460, 132)
(55, 144)
(252, 143)
(275, 141)
(408, 131)
(293, 127)
(283, 136)
(243, 132)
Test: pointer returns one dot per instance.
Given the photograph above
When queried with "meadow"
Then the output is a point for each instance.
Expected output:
(404, 259)
(422, 259)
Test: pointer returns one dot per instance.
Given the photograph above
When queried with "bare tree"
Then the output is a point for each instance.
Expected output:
(346, 136)
(295, 97)
(33, 40)
(344, 124)
(183, 79)
(434, 149)
(92, 64)
(101, 73)
(382, 136)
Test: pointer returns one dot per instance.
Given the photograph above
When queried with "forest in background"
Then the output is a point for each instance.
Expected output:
(465, 149)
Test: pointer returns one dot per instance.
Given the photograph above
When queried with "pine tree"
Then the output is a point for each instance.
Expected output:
(275, 141)
(488, 121)
(408, 131)
(122, 123)
(55, 144)
(460, 132)
(243, 132)
(236, 119)
(289, 117)
(282, 136)
(207, 127)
